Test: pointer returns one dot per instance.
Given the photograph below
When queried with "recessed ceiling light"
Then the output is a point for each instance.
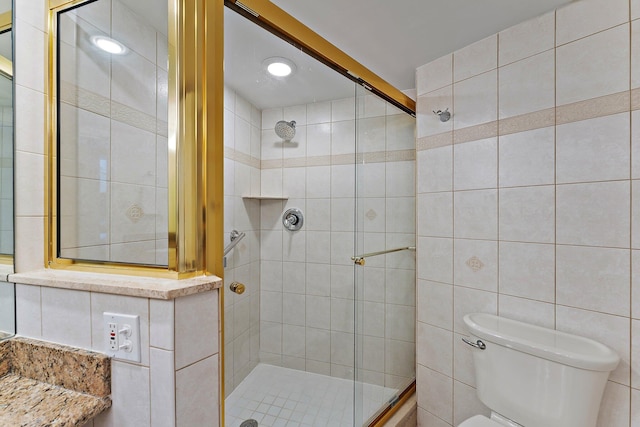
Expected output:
(279, 67)
(109, 45)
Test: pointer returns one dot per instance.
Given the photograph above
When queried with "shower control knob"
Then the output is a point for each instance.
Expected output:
(237, 288)
(292, 219)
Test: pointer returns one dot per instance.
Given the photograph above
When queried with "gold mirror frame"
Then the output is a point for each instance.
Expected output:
(195, 157)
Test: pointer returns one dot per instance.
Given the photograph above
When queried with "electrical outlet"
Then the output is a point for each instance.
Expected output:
(122, 333)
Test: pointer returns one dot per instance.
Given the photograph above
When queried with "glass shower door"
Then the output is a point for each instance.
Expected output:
(384, 261)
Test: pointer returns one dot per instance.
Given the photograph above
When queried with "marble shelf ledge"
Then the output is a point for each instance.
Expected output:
(145, 287)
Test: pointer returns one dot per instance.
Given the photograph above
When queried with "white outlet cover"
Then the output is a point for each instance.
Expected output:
(133, 321)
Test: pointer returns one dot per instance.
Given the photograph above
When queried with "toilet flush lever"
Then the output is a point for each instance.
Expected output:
(478, 344)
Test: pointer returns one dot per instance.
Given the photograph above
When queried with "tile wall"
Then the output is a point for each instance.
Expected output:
(113, 131)
(176, 382)
(307, 291)
(242, 178)
(528, 197)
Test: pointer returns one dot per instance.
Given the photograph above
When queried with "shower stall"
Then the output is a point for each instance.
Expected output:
(319, 176)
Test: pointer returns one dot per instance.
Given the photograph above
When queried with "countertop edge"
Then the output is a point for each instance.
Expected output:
(145, 287)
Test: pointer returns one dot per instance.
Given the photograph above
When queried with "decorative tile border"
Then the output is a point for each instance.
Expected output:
(340, 159)
(583, 110)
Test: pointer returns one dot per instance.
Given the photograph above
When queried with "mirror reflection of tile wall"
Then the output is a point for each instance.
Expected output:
(113, 134)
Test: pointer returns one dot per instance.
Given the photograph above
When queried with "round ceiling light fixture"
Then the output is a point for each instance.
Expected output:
(109, 45)
(279, 67)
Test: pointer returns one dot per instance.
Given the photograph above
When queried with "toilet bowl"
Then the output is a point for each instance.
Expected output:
(508, 358)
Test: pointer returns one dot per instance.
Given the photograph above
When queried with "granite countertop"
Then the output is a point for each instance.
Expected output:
(46, 384)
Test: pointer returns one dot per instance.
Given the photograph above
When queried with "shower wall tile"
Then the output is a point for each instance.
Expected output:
(613, 331)
(133, 31)
(589, 17)
(593, 150)
(133, 155)
(527, 39)
(139, 92)
(476, 264)
(527, 310)
(343, 109)
(476, 214)
(476, 100)
(434, 75)
(371, 134)
(527, 270)
(527, 214)
(435, 304)
(594, 279)
(401, 132)
(435, 170)
(465, 156)
(578, 223)
(527, 85)
(317, 112)
(319, 139)
(604, 71)
(476, 58)
(527, 158)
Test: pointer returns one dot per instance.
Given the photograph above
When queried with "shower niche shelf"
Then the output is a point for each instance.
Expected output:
(266, 197)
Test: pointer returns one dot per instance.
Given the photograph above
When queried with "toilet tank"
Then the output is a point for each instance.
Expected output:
(538, 377)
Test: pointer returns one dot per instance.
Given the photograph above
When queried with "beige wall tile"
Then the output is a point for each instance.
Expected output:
(475, 214)
(615, 406)
(33, 74)
(435, 393)
(635, 284)
(527, 310)
(440, 357)
(588, 17)
(196, 327)
(613, 331)
(527, 85)
(527, 214)
(162, 385)
(635, 144)
(527, 158)
(435, 259)
(435, 304)
(197, 400)
(476, 58)
(466, 300)
(435, 214)
(527, 270)
(427, 419)
(434, 75)
(66, 317)
(527, 39)
(475, 264)
(435, 170)
(594, 279)
(466, 158)
(593, 150)
(28, 311)
(475, 100)
(578, 223)
(130, 396)
(588, 68)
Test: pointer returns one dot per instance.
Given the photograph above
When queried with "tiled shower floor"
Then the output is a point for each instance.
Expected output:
(282, 397)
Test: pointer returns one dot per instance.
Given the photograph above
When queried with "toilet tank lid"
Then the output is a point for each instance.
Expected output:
(560, 347)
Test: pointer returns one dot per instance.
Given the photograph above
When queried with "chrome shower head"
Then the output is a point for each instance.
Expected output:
(286, 130)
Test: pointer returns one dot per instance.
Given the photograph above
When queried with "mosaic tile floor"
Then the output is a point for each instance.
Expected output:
(282, 397)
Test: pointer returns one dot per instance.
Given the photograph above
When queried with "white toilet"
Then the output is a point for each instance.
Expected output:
(536, 377)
